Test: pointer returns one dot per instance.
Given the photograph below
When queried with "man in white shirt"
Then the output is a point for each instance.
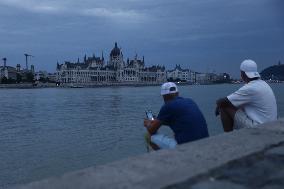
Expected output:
(251, 105)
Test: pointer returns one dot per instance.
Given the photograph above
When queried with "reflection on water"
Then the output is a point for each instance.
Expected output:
(46, 132)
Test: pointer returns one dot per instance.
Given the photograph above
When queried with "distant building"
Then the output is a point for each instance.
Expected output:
(44, 76)
(179, 74)
(8, 72)
(224, 77)
(52, 77)
(200, 78)
(205, 78)
(94, 70)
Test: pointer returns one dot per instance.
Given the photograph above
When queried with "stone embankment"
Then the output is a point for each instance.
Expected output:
(27, 86)
(248, 158)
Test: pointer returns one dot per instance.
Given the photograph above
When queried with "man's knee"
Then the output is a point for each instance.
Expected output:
(228, 112)
(163, 141)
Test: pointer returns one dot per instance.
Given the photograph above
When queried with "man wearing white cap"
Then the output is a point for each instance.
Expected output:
(182, 115)
(251, 105)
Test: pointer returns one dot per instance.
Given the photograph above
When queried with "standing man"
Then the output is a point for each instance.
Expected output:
(252, 104)
(182, 115)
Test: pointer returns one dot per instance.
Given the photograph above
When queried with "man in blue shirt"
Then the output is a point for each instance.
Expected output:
(182, 115)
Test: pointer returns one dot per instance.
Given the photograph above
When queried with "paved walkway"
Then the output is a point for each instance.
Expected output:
(262, 170)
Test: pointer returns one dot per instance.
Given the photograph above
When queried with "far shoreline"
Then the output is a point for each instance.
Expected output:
(103, 85)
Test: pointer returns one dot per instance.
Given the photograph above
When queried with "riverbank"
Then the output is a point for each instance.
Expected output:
(27, 86)
(96, 85)
(247, 158)
(73, 85)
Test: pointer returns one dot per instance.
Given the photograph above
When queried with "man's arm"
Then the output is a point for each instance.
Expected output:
(152, 125)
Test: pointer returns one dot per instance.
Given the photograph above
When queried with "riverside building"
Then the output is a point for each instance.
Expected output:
(15, 74)
(7, 72)
(94, 70)
(179, 74)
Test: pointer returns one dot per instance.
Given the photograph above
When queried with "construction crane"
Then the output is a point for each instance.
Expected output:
(4, 59)
(27, 55)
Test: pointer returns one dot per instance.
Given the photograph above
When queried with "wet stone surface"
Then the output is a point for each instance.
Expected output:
(260, 171)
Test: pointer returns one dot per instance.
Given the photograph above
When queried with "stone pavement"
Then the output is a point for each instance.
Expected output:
(248, 158)
(261, 170)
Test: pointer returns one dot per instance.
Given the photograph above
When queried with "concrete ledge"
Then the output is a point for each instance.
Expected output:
(169, 167)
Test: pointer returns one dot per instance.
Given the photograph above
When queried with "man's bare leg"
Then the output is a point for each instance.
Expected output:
(149, 143)
(154, 146)
(227, 118)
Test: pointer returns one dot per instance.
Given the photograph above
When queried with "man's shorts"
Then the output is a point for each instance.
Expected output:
(163, 141)
(241, 120)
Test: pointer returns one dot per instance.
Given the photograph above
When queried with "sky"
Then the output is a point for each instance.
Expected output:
(203, 35)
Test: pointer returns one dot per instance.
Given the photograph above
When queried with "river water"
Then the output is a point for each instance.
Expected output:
(47, 132)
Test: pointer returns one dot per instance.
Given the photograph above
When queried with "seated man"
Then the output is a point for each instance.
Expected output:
(252, 104)
(181, 114)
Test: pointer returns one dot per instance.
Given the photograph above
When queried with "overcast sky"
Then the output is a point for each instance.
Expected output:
(204, 35)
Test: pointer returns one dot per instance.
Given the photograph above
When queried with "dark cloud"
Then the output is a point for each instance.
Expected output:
(203, 35)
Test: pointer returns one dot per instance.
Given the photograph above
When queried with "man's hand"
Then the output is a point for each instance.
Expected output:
(217, 111)
(152, 125)
(219, 104)
(147, 123)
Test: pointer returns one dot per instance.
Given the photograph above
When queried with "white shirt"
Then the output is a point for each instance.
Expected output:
(257, 100)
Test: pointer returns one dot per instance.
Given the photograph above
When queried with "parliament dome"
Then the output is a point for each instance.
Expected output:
(115, 51)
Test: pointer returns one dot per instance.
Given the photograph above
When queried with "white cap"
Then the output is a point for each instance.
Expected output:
(250, 68)
(169, 88)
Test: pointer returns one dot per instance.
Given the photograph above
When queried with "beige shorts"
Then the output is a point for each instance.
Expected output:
(241, 120)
